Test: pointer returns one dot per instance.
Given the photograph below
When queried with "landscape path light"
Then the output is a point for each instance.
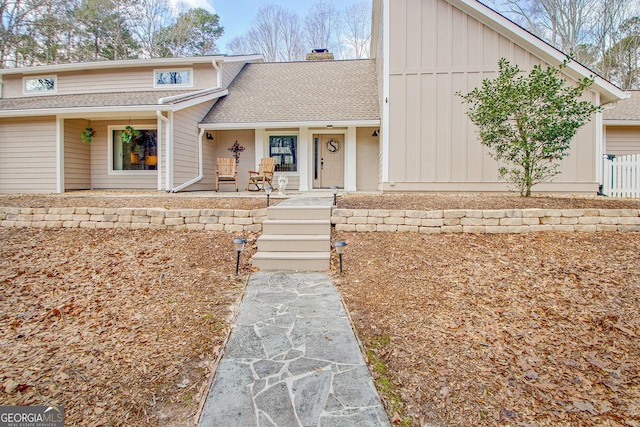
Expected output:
(267, 190)
(340, 245)
(334, 190)
(238, 244)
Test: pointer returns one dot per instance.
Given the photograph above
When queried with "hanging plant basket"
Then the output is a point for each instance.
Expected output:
(129, 134)
(87, 135)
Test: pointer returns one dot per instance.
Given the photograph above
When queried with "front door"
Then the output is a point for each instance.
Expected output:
(329, 160)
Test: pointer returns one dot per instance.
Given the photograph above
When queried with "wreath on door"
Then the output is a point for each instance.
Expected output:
(333, 146)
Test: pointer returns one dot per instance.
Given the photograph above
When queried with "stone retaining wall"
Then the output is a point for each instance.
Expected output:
(487, 221)
(135, 218)
(439, 221)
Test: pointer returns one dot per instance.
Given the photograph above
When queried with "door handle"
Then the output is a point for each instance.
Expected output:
(322, 163)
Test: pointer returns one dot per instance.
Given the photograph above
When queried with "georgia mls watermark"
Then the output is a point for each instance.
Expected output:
(31, 416)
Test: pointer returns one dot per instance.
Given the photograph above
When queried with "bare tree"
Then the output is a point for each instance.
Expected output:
(357, 35)
(292, 48)
(275, 33)
(322, 25)
(146, 19)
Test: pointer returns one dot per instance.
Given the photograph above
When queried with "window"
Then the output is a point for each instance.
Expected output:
(163, 78)
(284, 149)
(41, 84)
(139, 155)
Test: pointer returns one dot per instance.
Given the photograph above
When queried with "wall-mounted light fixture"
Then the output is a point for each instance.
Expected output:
(376, 132)
(209, 136)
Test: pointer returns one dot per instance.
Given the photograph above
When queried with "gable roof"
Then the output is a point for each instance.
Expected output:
(299, 92)
(624, 112)
(512, 31)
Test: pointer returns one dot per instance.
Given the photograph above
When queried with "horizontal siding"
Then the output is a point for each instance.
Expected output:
(185, 142)
(623, 140)
(111, 80)
(435, 51)
(77, 156)
(100, 178)
(28, 155)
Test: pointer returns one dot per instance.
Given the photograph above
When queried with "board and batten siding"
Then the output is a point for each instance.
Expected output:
(28, 155)
(100, 177)
(622, 140)
(185, 149)
(112, 80)
(435, 51)
(77, 156)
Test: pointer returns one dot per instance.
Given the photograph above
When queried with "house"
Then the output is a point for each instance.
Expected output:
(389, 123)
(622, 126)
(44, 110)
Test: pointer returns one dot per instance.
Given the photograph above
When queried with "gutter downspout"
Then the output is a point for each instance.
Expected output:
(161, 119)
(218, 69)
(200, 166)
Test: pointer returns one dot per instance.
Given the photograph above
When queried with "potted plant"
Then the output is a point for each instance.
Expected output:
(129, 134)
(87, 134)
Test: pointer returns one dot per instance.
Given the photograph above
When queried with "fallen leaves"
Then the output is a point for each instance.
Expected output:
(120, 327)
(535, 329)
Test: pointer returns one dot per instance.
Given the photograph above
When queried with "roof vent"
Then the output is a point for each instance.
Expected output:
(320, 55)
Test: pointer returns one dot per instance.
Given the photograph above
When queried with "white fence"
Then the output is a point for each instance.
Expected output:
(622, 176)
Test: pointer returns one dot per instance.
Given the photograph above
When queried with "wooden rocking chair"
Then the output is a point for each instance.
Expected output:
(263, 176)
(227, 172)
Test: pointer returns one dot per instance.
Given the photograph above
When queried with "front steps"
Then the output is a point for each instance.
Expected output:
(295, 237)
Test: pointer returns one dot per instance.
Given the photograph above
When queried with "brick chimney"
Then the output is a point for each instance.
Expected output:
(319, 55)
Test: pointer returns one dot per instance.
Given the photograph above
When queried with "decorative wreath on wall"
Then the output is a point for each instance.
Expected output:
(333, 146)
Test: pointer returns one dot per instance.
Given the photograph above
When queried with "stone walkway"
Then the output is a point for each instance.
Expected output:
(292, 360)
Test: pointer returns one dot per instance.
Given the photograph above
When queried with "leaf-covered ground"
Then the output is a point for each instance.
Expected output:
(121, 327)
(483, 330)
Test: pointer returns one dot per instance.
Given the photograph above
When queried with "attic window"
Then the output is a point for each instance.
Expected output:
(40, 84)
(164, 78)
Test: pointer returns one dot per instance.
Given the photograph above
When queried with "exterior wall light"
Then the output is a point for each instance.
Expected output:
(340, 246)
(238, 244)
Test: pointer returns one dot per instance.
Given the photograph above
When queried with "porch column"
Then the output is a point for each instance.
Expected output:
(303, 158)
(260, 136)
(59, 155)
(350, 160)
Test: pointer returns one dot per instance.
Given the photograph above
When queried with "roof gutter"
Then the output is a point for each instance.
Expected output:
(200, 167)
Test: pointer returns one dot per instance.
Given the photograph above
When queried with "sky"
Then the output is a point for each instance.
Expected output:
(236, 15)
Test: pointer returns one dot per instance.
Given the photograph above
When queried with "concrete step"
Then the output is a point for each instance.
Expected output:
(296, 226)
(298, 212)
(291, 261)
(293, 243)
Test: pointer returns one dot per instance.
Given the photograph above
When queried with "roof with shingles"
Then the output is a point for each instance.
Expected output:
(88, 100)
(300, 92)
(626, 109)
